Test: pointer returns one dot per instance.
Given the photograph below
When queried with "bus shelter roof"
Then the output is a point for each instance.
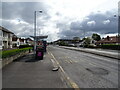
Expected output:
(39, 37)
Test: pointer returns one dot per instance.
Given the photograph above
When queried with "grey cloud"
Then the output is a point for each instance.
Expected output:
(100, 26)
(77, 28)
(19, 29)
(58, 14)
(67, 31)
(75, 25)
(24, 10)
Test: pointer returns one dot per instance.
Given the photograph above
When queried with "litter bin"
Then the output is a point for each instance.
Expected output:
(39, 52)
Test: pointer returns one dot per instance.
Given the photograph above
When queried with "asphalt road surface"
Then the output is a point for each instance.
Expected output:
(87, 70)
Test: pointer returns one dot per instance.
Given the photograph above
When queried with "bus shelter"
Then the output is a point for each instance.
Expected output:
(39, 46)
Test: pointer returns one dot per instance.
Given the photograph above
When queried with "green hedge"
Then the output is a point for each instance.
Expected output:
(13, 52)
(25, 46)
(110, 46)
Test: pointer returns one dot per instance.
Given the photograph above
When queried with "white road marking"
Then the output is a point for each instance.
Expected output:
(71, 61)
(92, 64)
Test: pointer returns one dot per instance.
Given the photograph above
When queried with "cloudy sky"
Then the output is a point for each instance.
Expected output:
(61, 18)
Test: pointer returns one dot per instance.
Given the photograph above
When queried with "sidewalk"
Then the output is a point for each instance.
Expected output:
(102, 52)
(25, 72)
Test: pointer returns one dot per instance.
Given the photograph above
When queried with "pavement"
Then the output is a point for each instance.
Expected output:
(103, 52)
(26, 72)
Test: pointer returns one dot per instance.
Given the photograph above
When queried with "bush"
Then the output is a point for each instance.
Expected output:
(110, 46)
(25, 46)
(62, 43)
(13, 52)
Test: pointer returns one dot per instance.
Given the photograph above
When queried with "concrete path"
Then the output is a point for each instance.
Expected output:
(27, 73)
(107, 53)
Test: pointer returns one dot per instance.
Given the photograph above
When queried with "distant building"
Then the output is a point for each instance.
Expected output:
(109, 40)
(69, 42)
(29, 41)
(5, 38)
(15, 41)
(9, 40)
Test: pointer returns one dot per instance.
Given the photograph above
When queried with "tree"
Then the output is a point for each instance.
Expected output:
(96, 37)
(76, 39)
(62, 43)
(87, 41)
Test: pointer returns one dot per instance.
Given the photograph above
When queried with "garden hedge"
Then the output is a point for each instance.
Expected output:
(25, 46)
(9, 53)
(111, 46)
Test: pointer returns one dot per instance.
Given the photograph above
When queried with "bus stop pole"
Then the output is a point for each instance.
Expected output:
(34, 32)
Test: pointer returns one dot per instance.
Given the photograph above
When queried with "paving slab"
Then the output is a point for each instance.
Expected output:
(25, 72)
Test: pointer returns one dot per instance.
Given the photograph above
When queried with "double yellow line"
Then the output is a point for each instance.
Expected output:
(69, 81)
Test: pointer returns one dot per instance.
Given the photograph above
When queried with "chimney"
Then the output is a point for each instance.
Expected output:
(108, 38)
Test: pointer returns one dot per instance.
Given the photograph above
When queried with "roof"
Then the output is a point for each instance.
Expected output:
(5, 30)
(68, 40)
(29, 39)
(39, 37)
(21, 40)
(14, 38)
(113, 39)
(65, 40)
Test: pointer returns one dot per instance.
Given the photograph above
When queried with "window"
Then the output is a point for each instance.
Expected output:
(1, 33)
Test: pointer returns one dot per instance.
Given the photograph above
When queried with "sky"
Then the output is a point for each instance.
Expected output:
(61, 18)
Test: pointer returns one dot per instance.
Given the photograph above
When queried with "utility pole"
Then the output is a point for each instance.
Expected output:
(35, 29)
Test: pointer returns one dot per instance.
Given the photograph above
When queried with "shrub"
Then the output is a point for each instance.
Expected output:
(13, 52)
(25, 46)
(111, 46)
(62, 43)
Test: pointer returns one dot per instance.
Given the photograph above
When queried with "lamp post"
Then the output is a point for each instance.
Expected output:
(84, 38)
(35, 29)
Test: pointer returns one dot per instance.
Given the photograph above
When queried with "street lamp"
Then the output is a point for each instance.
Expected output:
(84, 38)
(35, 29)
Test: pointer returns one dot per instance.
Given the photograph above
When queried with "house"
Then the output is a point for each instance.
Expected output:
(22, 41)
(15, 41)
(5, 38)
(29, 41)
(109, 40)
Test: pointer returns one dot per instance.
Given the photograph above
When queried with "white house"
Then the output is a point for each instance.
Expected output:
(15, 41)
(29, 41)
(5, 38)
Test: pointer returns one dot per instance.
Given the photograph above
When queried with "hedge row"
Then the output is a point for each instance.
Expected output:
(25, 46)
(13, 52)
(110, 46)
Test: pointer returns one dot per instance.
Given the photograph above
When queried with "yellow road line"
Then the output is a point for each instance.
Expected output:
(75, 61)
(92, 64)
(67, 61)
(71, 61)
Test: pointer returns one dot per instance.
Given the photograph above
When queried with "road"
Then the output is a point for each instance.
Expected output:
(87, 70)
